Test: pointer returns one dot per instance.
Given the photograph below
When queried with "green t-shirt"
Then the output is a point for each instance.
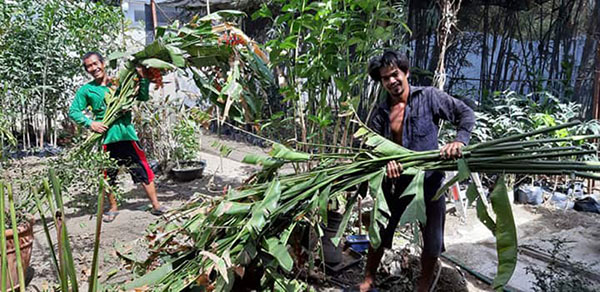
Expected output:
(92, 95)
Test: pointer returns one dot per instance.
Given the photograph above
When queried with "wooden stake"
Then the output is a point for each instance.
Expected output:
(154, 18)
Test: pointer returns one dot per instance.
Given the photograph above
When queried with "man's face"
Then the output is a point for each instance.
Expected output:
(394, 80)
(94, 67)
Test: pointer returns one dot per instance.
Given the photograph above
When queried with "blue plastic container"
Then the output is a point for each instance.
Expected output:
(358, 243)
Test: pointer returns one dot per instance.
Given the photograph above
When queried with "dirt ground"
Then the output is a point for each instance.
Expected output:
(473, 245)
(469, 245)
(133, 218)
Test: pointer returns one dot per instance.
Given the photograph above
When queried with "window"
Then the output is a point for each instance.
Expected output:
(139, 15)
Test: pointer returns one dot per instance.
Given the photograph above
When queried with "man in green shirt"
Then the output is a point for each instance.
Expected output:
(120, 138)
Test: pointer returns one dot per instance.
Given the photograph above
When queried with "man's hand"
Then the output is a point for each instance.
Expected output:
(98, 127)
(452, 150)
(394, 169)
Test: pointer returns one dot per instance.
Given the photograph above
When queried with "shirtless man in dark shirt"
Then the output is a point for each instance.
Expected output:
(410, 117)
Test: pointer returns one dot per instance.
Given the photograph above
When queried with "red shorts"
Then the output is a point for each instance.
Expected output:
(129, 154)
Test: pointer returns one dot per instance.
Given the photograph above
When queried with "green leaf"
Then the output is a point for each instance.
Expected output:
(300, 187)
(349, 205)
(416, 208)
(261, 210)
(256, 159)
(219, 264)
(463, 173)
(506, 234)
(361, 132)
(222, 284)
(283, 284)
(484, 216)
(45, 225)
(224, 150)
(153, 50)
(157, 63)
(289, 42)
(264, 12)
(379, 206)
(482, 212)
(385, 146)
(118, 55)
(280, 252)
(112, 58)
(472, 193)
(233, 89)
(160, 31)
(151, 278)
(411, 171)
(232, 208)
(415, 183)
(93, 285)
(176, 55)
(323, 202)
(17, 247)
(281, 152)
(247, 254)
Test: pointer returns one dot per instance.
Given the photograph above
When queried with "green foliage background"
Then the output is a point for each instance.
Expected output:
(41, 44)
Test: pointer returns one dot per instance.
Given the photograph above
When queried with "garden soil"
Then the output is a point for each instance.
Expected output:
(469, 245)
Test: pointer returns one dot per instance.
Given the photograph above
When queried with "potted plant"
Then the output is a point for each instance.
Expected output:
(187, 145)
(17, 227)
(25, 236)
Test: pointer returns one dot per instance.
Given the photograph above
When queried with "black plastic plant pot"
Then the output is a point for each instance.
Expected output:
(188, 170)
(331, 252)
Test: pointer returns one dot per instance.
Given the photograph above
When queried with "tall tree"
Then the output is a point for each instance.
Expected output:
(40, 64)
(448, 11)
(585, 75)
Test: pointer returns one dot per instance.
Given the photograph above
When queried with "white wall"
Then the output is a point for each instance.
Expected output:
(134, 11)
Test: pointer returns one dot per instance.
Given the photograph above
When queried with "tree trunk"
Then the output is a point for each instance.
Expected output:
(484, 53)
(500, 58)
(421, 33)
(586, 60)
(42, 109)
(491, 59)
(448, 19)
(596, 92)
(507, 61)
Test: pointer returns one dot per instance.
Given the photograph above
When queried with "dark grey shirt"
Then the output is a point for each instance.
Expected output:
(424, 109)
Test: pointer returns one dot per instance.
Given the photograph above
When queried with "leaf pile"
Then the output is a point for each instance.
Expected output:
(213, 240)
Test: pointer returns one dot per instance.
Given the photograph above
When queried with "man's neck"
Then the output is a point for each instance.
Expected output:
(396, 99)
(102, 81)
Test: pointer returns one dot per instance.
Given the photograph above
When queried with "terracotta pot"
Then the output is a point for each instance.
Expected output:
(26, 244)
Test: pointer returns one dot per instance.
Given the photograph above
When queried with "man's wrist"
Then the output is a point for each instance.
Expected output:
(458, 140)
(463, 137)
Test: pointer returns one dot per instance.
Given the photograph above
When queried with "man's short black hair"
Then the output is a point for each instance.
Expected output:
(92, 53)
(389, 58)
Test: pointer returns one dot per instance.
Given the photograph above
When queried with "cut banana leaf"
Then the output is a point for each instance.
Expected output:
(506, 234)
(157, 63)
